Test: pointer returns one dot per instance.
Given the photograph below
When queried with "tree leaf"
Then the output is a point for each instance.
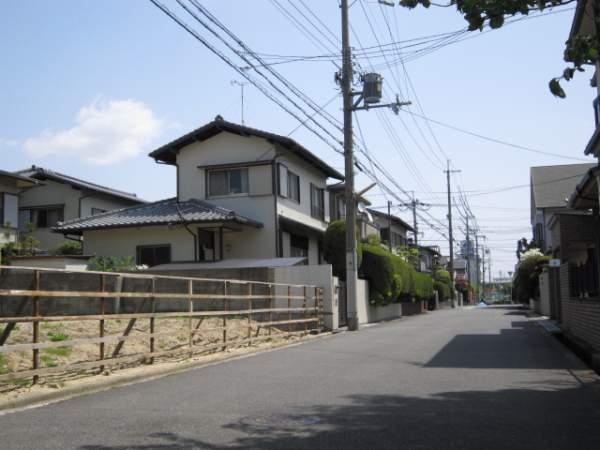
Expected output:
(556, 88)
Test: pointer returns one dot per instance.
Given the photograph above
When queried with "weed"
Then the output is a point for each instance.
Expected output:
(3, 368)
(58, 337)
(21, 382)
(48, 361)
(60, 351)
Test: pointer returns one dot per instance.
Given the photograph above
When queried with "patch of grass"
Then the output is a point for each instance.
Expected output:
(58, 337)
(48, 361)
(3, 368)
(60, 351)
(21, 382)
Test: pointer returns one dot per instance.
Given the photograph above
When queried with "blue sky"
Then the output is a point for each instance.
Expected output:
(89, 88)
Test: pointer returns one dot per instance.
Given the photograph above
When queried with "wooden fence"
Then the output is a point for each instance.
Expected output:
(275, 310)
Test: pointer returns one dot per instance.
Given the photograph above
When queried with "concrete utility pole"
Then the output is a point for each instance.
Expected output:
(450, 239)
(370, 95)
(477, 264)
(389, 225)
(468, 252)
(351, 263)
(414, 204)
(483, 269)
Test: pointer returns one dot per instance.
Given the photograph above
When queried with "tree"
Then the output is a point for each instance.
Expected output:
(581, 50)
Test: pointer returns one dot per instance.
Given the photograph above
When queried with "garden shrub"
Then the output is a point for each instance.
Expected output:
(391, 279)
(69, 247)
(442, 284)
(111, 263)
(528, 272)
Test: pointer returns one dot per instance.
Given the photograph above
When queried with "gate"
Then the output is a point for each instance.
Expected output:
(340, 290)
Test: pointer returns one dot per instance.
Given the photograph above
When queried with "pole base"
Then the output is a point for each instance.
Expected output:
(353, 324)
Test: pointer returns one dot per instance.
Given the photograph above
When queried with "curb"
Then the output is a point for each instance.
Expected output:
(123, 379)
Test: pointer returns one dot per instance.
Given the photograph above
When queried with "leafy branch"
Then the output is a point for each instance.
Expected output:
(581, 50)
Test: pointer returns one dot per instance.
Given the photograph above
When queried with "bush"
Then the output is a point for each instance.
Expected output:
(111, 263)
(442, 284)
(391, 279)
(69, 247)
(527, 277)
(334, 248)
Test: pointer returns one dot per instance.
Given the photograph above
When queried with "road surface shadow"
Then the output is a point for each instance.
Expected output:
(505, 419)
(521, 347)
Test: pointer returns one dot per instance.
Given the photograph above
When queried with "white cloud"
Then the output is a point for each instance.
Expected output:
(105, 133)
(4, 142)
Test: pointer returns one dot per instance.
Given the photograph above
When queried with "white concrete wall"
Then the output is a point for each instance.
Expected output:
(52, 263)
(321, 276)
(368, 313)
(301, 212)
(544, 303)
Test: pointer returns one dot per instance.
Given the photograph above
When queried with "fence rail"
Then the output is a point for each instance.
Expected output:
(40, 296)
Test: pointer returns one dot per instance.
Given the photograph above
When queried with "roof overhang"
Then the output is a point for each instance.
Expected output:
(583, 22)
(585, 195)
(21, 182)
(168, 153)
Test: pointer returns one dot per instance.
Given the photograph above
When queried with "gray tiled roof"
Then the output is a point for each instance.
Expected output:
(552, 185)
(158, 213)
(43, 174)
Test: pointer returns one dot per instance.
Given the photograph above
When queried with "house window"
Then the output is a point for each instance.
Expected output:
(293, 182)
(299, 247)
(317, 202)
(41, 217)
(153, 255)
(96, 211)
(227, 182)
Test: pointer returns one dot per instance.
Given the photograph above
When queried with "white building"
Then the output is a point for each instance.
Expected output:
(11, 186)
(242, 193)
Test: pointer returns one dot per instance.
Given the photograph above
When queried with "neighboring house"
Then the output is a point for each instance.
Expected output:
(550, 189)
(11, 186)
(59, 197)
(429, 258)
(391, 228)
(337, 206)
(571, 293)
(242, 193)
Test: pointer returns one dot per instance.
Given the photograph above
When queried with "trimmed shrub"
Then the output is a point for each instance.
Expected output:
(527, 277)
(69, 248)
(442, 284)
(111, 263)
(391, 279)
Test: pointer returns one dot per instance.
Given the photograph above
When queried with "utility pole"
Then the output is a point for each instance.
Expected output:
(389, 203)
(477, 263)
(450, 239)
(351, 263)
(415, 226)
(468, 252)
(483, 268)
(241, 84)
(369, 97)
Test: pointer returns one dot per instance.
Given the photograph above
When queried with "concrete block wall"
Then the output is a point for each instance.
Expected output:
(581, 318)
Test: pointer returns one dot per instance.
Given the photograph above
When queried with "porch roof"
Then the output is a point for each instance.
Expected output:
(164, 212)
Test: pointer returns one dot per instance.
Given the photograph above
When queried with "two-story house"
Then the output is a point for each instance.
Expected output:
(59, 197)
(550, 189)
(242, 193)
(392, 229)
(11, 186)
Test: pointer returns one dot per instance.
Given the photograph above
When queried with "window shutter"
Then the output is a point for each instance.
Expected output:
(282, 180)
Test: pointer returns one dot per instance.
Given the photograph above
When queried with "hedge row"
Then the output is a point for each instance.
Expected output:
(391, 279)
(442, 284)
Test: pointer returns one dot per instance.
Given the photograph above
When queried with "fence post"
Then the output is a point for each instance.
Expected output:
(289, 305)
(36, 326)
(317, 301)
(191, 311)
(305, 309)
(249, 314)
(102, 313)
(224, 322)
(153, 310)
(270, 309)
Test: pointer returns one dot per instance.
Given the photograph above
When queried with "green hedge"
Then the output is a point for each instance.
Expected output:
(391, 279)
(442, 284)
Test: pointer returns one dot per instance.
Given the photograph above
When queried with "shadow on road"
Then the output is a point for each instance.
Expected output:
(520, 347)
(506, 419)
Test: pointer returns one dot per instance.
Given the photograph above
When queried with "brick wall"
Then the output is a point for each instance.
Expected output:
(581, 318)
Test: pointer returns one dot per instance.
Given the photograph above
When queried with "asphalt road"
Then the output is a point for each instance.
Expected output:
(456, 379)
